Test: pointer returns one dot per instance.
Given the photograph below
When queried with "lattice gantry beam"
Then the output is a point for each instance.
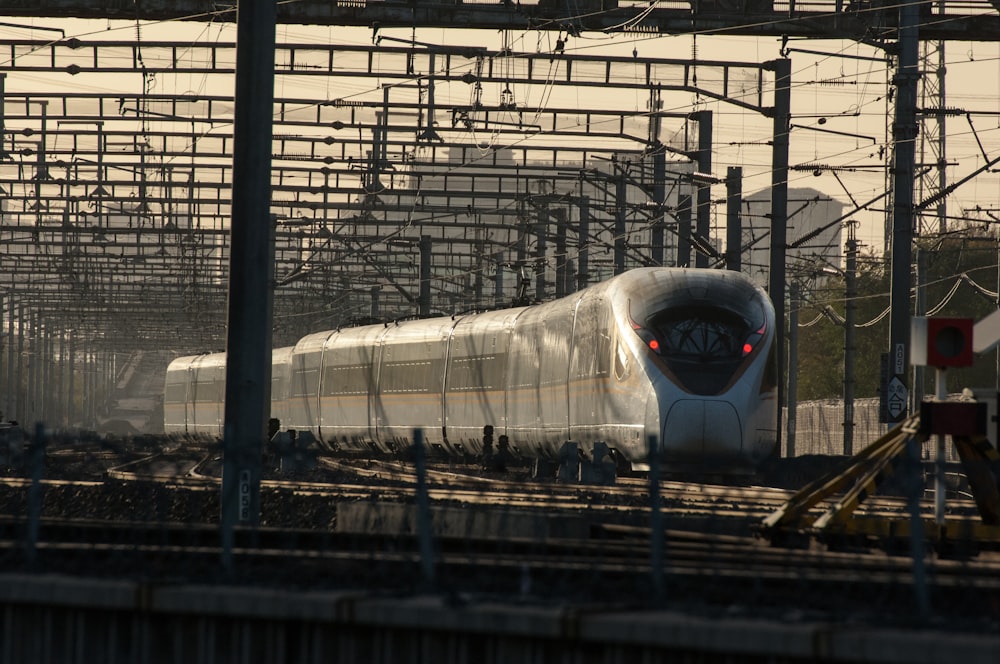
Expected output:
(953, 19)
(119, 199)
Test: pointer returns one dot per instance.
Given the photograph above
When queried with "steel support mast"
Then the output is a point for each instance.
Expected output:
(248, 339)
(779, 213)
(904, 134)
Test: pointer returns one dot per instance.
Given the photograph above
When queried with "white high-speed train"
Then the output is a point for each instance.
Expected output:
(685, 355)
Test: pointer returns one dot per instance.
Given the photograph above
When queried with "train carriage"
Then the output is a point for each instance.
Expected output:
(410, 382)
(281, 382)
(303, 409)
(194, 394)
(683, 355)
(475, 393)
(350, 370)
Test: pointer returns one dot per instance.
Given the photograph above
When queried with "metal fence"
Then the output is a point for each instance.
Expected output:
(820, 428)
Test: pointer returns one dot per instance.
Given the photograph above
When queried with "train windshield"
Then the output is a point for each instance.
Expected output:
(704, 345)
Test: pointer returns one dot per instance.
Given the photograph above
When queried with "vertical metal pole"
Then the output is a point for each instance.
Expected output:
(541, 249)
(70, 380)
(429, 132)
(84, 388)
(49, 393)
(561, 271)
(33, 374)
(4, 361)
(88, 388)
(17, 412)
(941, 393)
(101, 381)
(621, 208)
(583, 245)
(375, 312)
(851, 293)
(684, 231)
(28, 359)
(424, 299)
(521, 254)
(793, 364)
(659, 194)
(92, 382)
(734, 227)
(942, 133)
(904, 134)
(477, 283)
(498, 284)
(41, 169)
(248, 342)
(42, 387)
(656, 533)
(9, 402)
(108, 382)
(779, 211)
(95, 382)
(704, 212)
(920, 592)
(36, 452)
(61, 381)
(99, 192)
(423, 512)
(43, 371)
(920, 309)
(3, 117)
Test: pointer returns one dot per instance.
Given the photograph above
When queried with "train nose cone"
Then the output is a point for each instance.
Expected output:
(698, 426)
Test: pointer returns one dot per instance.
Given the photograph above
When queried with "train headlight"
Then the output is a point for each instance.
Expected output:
(647, 337)
(753, 339)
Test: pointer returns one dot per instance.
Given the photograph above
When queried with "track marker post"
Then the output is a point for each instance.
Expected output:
(423, 512)
(915, 477)
(656, 534)
(36, 463)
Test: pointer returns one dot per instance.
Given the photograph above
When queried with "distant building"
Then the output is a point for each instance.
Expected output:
(808, 210)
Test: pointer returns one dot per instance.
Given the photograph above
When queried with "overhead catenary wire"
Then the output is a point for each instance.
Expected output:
(458, 166)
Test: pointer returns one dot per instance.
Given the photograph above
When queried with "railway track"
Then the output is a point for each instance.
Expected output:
(395, 481)
(615, 562)
(610, 556)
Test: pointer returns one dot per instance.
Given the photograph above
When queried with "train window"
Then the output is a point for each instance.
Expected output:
(410, 377)
(175, 393)
(703, 333)
(475, 373)
(603, 354)
(345, 380)
(524, 362)
(206, 392)
(305, 382)
(591, 351)
(702, 345)
(621, 361)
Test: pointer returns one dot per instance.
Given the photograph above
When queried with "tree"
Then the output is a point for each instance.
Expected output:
(961, 275)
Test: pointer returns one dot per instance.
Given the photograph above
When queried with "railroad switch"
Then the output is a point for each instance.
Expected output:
(824, 508)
